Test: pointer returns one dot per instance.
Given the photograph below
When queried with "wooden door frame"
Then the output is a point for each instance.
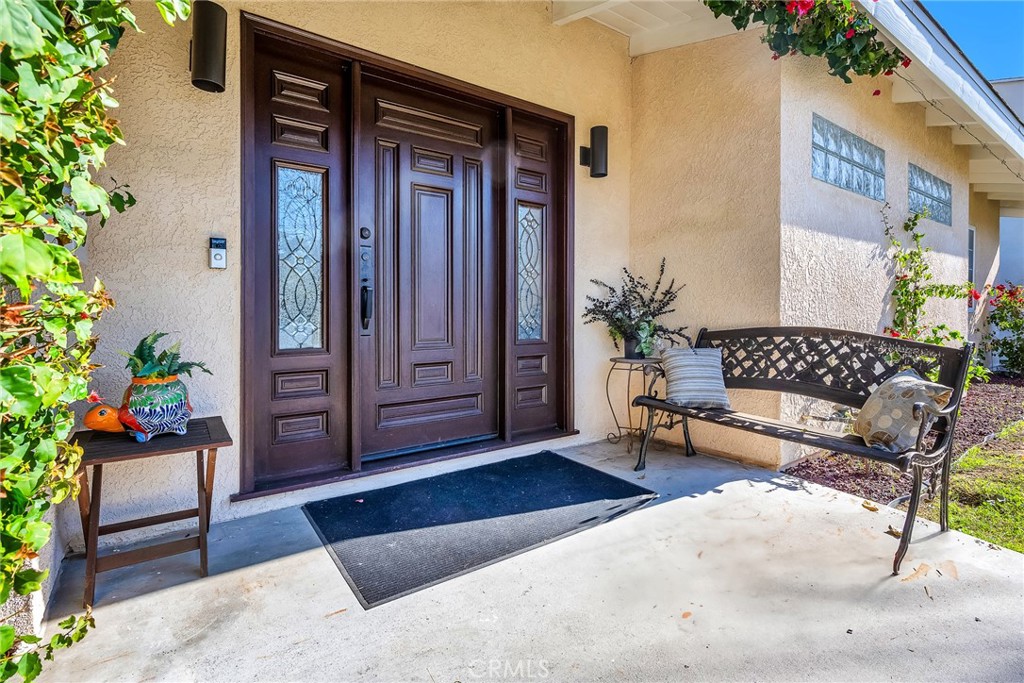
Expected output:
(253, 25)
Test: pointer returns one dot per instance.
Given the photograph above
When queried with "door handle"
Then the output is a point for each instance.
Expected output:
(366, 305)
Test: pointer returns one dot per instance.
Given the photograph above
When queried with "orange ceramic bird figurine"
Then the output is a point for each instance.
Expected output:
(103, 418)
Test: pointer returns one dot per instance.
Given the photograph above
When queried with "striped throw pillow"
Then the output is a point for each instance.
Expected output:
(694, 378)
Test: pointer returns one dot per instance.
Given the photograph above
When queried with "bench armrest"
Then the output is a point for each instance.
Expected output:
(927, 415)
(656, 372)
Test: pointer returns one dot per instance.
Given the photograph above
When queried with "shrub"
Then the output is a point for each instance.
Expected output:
(914, 287)
(1006, 315)
(55, 130)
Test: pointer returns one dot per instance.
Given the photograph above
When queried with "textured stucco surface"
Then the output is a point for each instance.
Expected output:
(833, 261)
(183, 164)
(705, 195)
(984, 218)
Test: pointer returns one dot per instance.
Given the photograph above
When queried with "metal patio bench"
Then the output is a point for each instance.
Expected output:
(837, 366)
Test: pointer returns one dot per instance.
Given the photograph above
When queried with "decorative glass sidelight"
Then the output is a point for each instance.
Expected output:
(530, 271)
(300, 258)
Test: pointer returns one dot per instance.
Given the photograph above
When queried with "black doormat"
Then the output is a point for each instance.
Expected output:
(394, 541)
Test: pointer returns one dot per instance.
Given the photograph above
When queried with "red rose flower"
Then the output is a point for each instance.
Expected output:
(888, 72)
(851, 33)
(876, 93)
(775, 56)
(905, 63)
(975, 294)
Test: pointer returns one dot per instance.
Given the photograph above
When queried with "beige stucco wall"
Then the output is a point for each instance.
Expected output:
(834, 268)
(984, 218)
(705, 195)
(183, 164)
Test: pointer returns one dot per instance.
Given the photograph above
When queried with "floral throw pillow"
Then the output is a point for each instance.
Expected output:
(887, 419)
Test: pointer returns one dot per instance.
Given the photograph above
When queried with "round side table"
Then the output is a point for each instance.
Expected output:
(630, 366)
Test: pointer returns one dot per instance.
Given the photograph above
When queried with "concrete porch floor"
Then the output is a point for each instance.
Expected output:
(735, 573)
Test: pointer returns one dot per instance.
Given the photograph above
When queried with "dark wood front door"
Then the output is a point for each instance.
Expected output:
(406, 263)
(428, 174)
(297, 345)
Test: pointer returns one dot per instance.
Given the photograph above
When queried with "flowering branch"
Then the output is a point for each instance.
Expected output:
(833, 29)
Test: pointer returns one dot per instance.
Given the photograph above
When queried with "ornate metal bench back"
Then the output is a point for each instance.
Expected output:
(832, 365)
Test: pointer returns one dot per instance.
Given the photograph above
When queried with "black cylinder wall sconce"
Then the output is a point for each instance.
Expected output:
(596, 156)
(209, 45)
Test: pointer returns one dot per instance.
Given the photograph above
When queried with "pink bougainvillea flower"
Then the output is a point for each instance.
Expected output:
(851, 33)
(94, 397)
(876, 93)
(799, 7)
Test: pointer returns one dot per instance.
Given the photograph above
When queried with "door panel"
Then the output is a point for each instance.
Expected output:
(297, 369)
(536, 217)
(406, 261)
(428, 178)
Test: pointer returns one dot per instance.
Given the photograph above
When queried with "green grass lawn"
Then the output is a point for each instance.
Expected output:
(986, 498)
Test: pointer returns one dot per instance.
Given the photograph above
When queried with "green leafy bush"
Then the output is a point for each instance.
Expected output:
(1006, 315)
(914, 287)
(55, 130)
(833, 29)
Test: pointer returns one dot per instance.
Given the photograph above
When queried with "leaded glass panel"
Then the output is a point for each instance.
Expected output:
(840, 158)
(929, 192)
(300, 258)
(530, 271)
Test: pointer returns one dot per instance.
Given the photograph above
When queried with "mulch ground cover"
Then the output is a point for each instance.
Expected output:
(987, 409)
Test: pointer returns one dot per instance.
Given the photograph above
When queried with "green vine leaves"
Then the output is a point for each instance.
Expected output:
(55, 128)
(833, 29)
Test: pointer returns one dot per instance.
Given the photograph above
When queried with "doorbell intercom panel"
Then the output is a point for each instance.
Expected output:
(218, 252)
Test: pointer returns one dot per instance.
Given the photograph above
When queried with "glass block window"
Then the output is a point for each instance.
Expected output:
(530, 272)
(300, 258)
(840, 158)
(932, 193)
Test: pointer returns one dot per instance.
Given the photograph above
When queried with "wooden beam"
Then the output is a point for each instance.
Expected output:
(934, 117)
(992, 178)
(1015, 190)
(989, 164)
(567, 11)
(1011, 209)
(904, 93)
(961, 137)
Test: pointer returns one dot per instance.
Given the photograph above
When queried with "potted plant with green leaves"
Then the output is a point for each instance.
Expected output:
(632, 312)
(156, 402)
